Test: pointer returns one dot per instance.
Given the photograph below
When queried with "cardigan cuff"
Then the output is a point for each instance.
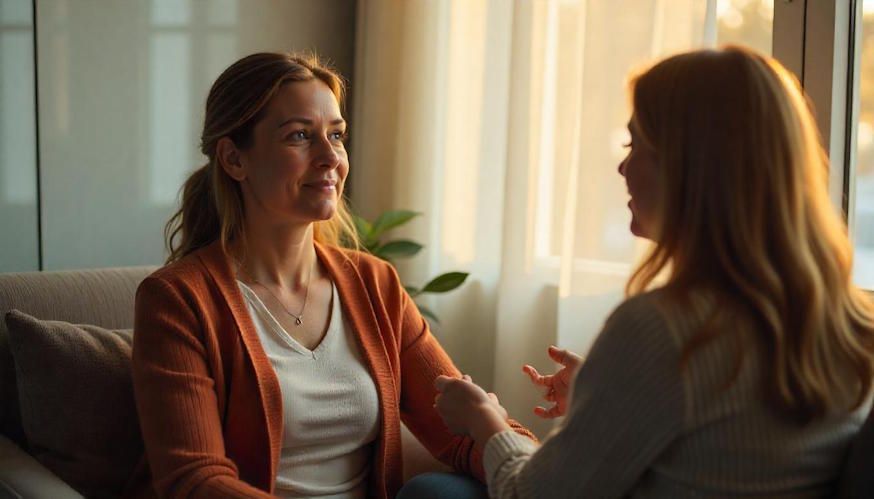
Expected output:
(502, 447)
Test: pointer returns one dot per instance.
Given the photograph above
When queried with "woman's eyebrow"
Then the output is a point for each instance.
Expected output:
(307, 121)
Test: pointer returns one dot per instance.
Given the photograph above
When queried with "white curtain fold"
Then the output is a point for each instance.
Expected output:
(503, 122)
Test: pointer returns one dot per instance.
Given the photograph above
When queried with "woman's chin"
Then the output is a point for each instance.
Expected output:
(637, 230)
(325, 211)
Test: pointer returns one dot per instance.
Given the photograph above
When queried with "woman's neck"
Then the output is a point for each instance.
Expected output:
(280, 256)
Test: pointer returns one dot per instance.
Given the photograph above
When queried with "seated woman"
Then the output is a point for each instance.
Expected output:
(267, 360)
(741, 364)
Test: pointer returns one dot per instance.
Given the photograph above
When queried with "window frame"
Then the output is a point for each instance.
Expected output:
(819, 42)
(815, 40)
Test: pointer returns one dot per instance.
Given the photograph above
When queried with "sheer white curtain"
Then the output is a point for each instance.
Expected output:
(503, 122)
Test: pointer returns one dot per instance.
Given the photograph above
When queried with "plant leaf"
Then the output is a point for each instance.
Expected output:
(365, 233)
(390, 220)
(363, 227)
(402, 248)
(412, 291)
(428, 314)
(445, 282)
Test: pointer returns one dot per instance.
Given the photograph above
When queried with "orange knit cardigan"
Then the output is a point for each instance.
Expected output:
(208, 399)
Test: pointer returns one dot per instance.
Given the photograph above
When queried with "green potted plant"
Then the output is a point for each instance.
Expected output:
(372, 238)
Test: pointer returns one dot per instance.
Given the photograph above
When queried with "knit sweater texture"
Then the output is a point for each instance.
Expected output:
(639, 425)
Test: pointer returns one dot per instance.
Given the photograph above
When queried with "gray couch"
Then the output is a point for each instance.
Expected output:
(102, 297)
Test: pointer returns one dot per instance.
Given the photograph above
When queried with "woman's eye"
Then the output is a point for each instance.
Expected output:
(297, 135)
(339, 135)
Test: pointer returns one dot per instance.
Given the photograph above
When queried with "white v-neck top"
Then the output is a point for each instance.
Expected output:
(330, 406)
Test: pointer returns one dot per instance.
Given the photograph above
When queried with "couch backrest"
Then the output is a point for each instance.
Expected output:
(103, 297)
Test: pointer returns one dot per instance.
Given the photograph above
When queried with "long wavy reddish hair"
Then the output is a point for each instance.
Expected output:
(747, 219)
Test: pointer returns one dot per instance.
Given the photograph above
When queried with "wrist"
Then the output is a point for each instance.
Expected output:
(488, 423)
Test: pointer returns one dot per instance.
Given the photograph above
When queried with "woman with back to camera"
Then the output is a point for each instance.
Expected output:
(267, 360)
(746, 368)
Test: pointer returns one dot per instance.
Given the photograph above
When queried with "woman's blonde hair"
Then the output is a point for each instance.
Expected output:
(212, 202)
(746, 217)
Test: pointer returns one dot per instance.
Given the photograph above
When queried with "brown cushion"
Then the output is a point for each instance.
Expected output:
(76, 398)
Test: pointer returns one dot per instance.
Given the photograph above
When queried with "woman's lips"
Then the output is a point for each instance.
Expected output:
(326, 186)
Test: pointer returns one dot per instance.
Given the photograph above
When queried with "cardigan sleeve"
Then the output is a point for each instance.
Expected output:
(628, 404)
(176, 400)
(422, 360)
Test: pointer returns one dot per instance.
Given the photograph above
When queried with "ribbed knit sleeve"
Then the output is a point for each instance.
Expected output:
(627, 405)
(176, 400)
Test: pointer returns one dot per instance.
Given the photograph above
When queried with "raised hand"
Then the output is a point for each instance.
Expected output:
(557, 385)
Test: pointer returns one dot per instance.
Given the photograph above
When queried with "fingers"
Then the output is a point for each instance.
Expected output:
(441, 382)
(551, 413)
(564, 357)
(493, 397)
(549, 396)
(535, 376)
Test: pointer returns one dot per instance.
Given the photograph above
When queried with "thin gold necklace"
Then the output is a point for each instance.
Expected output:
(298, 318)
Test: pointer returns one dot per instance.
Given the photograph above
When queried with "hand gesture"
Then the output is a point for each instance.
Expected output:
(557, 385)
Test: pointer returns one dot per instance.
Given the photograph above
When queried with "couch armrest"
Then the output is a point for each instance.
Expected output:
(22, 476)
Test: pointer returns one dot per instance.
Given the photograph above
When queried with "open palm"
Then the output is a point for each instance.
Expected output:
(557, 385)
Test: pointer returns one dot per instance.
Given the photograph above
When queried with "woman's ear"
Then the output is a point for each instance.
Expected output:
(229, 159)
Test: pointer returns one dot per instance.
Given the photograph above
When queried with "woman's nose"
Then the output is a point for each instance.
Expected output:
(622, 168)
(327, 155)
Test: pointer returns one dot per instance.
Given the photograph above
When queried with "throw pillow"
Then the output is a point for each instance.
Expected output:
(77, 402)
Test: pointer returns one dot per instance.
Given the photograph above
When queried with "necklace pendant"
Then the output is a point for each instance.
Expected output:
(298, 321)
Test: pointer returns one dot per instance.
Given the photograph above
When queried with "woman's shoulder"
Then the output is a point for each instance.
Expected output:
(364, 275)
(679, 313)
(649, 317)
(189, 272)
(648, 306)
(369, 266)
(179, 269)
(637, 351)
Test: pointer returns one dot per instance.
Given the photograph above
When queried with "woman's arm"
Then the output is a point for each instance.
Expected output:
(627, 406)
(176, 400)
(422, 361)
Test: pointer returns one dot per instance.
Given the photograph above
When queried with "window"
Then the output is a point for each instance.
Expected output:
(579, 69)
(861, 168)
(18, 198)
(745, 22)
(184, 38)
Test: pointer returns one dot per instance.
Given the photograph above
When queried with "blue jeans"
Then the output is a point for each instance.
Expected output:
(443, 486)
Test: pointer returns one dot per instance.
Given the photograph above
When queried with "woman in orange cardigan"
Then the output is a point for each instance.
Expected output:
(267, 360)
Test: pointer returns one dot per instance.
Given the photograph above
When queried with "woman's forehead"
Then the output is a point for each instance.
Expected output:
(310, 99)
